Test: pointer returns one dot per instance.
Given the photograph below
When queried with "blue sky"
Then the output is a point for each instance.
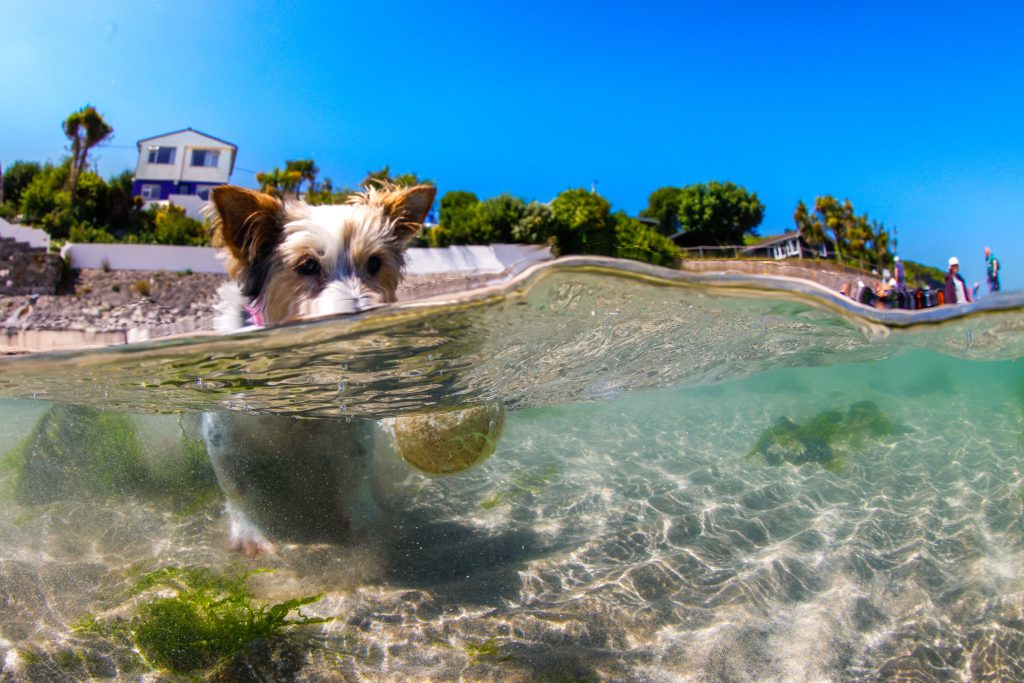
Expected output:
(911, 110)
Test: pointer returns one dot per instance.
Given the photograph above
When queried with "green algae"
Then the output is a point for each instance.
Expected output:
(80, 452)
(822, 437)
(194, 619)
(477, 649)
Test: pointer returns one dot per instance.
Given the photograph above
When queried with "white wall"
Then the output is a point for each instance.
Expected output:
(33, 236)
(493, 258)
(479, 259)
(192, 204)
(143, 257)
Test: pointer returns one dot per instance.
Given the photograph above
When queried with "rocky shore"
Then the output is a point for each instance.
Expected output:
(144, 305)
(102, 307)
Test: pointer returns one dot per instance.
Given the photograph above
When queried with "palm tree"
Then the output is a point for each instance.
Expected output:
(86, 129)
(808, 224)
(307, 170)
(833, 220)
(270, 181)
(880, 243)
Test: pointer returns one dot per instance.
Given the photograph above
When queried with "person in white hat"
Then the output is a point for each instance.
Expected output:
(956, 289)
(900, 271)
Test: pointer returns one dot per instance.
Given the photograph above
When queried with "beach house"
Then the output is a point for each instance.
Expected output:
(180, 168)
(788, 245)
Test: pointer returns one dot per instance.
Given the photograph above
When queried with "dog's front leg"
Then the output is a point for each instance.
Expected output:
(245, 536)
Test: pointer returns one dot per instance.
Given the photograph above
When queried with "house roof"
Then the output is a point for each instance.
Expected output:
(775, 239)
(186, 130)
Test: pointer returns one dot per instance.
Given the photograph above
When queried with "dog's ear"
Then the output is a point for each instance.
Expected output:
(408, 206)
(248, 223)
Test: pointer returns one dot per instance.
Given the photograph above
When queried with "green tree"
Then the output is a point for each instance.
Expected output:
(584, 223)
(307, 170)
(85, 129)
(278, 183)
(460, 221)
(501, 214)
(402, 179)
(719, 213)
(537, 225)
(17, 178)
(125, 215)
(172, 226)
(809, 225)
(324, 193)
(663, 204)
(834, 221)
(93, 201)
(880, 245)
(635, 240)
(858, 235)
(46, 204)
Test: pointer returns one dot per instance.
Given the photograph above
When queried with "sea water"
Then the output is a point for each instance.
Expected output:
(707, 479)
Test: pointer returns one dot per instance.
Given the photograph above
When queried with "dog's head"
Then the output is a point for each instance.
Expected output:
(299, 261)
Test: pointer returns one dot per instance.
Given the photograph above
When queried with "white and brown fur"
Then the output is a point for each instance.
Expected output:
(286, 479)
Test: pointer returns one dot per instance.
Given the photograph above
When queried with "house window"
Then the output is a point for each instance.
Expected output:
(792, 248)
(777, 252)
(205, 157)
(161, 155)
(150, 192)
(203, 193)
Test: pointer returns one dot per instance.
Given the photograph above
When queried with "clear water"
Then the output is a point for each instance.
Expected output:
(627, 526)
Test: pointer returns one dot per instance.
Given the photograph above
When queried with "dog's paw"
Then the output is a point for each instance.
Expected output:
(246, 537)
(252, 547)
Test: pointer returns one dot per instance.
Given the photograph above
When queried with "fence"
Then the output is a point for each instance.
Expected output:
(731, 251)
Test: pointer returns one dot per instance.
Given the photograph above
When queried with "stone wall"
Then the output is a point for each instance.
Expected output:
(25, 269)
(827, 273)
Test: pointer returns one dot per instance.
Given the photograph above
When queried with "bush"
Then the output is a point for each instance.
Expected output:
(537, 225)
(172, 226)
(635, 240)
(500, 214)
(81, 232)
(584, 224)
(17, 177)
(461, 222)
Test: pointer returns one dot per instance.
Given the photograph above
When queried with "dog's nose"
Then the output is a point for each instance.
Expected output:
(341, 298)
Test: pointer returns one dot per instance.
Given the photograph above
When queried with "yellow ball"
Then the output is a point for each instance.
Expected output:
(448, 441)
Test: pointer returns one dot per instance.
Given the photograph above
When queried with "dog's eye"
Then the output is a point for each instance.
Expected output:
(308, 267)
(373, 265)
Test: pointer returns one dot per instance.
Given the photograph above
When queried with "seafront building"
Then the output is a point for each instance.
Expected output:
(181, 167)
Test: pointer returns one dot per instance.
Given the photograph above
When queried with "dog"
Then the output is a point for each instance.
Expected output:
(284, 478)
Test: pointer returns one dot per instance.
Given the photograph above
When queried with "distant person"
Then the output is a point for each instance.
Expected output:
(901, 272)
(992, 270)
(956, 289)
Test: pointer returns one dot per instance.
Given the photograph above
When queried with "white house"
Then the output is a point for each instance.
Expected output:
(181, 167)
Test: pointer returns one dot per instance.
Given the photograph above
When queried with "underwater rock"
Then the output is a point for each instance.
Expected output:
(817, 439)
(263, 659)
(449, 441)
(788, 441)
(76, 450)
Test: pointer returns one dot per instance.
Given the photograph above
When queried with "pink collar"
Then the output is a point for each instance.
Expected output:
(255, 310)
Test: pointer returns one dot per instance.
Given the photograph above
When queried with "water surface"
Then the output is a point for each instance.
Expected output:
(630, 524)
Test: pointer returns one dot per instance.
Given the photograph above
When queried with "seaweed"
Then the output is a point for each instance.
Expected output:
(818, 439)
(209, 619)
(77, 451)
